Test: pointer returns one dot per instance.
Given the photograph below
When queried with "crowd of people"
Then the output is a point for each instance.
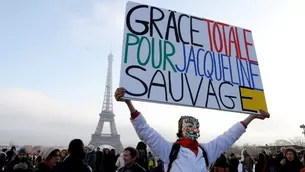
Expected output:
(80, 158)
(286, 160)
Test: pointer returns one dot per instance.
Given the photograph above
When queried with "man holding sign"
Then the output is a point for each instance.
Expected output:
(186, 155)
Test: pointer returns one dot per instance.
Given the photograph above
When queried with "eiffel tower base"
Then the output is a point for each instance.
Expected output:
(105, 139)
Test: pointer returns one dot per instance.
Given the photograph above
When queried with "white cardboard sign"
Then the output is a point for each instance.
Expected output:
(174, 58)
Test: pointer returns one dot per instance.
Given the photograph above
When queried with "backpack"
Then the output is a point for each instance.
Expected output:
(174, 153)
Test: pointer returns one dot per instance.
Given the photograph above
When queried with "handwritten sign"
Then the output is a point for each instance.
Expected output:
(174, 58)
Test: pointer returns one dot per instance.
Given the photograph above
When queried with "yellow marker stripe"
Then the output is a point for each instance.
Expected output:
(253, 99)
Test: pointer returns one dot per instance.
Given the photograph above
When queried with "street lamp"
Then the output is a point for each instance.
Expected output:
(303, 127)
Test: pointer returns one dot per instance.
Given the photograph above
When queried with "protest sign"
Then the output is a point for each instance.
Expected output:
(175, 58)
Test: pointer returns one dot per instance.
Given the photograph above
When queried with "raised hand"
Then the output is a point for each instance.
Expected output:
(119, 93)
(263, 115)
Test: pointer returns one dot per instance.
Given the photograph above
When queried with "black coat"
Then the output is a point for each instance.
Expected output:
(134, 168)
(71, 164)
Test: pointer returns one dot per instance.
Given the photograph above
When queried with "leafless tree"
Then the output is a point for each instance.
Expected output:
(300, 141)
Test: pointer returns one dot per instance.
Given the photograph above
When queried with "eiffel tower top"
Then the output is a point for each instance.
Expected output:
(107, 102)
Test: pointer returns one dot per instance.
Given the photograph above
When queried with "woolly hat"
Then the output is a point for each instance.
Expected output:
(22, 151)
(46, 151)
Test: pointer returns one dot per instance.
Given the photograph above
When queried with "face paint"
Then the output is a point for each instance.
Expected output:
(190, 127)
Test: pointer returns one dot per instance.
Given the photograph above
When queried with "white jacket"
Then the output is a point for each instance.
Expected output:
(186, 160)
(120, 162)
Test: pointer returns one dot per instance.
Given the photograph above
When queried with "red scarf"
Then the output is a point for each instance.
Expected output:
(48, 164)
(189, 143)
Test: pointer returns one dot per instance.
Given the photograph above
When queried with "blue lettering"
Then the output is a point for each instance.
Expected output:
(224, 67)
(215, 66)
(198, 67)
(184, 61)
(237, 66)
(208, 73)
(231, 73)
(191, 59)
(245, 73)
(253, 75)
(218, 76)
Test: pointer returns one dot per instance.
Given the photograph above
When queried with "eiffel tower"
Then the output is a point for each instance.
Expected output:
(107, 115)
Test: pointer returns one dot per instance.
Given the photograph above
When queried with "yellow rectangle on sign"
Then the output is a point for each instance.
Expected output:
(253, 99)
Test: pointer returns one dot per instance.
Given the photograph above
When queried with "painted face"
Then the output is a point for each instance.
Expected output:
(190, 128)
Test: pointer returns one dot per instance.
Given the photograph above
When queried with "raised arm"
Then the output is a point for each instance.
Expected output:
(223, 142)
(148, 135)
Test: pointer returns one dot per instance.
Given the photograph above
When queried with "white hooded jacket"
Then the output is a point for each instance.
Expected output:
(186, 160)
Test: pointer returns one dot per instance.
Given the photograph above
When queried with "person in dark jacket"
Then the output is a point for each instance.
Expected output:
(90, 158)
(63, 154)
(143, 156)
(19, 163)
(108, 164)
(234, 162)
(51, 156)
(75, 161)
(291, 162)
(279, 157)
(130, 156)
(221, 164)
(260, 165)
(99, 160)
(10, 154)
(3, 158)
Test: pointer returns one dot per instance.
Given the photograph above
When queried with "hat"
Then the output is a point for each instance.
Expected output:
(46, 151)
(22, 151)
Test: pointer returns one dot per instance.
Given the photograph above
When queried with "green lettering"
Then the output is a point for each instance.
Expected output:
(153, 54)
(166, 55)
(127, 44)
(139, 50)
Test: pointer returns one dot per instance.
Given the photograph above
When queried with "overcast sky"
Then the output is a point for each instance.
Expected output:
(53, 62)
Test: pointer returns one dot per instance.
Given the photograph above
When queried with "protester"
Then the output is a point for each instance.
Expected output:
(19, 163)
(130, 155)
(90, 157)
(75, 161)
(201, 155)
(290, 163)
(120, 161)
(50, 157)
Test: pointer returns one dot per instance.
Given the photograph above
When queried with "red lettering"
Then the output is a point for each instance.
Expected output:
(239, 50)
(218, 39)
(209, 30)
(220, 47)
(224, 26)
(247, 44)
(233, 40)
